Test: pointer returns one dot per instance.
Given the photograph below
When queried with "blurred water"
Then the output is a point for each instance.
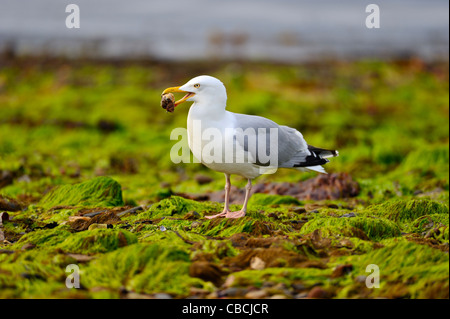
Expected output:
(287, 30)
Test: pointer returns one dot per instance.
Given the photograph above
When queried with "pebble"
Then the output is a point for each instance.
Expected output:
(135, 295)
(74, 218)
(256, 294)
(257, 263)
(213, 295)
(267, 284)
(349, 215)
(4, 217)
(81, 258)
(28, 246)
(361, 278)
(318, 293)
(162, 296)
(131, 211)
(299, 209)
(94, 213)
(195, 224)
(229, 281)
(341, 270)
(233, 292)
(278, 296)
(97, 226)
(203, 179)
(301, 295)
(297, 286)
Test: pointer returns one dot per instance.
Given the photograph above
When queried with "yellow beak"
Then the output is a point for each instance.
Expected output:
(176, 89)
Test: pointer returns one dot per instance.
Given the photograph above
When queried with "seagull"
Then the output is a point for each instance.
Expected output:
(234, 143)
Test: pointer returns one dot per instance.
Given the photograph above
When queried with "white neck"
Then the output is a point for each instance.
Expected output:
(211, 111)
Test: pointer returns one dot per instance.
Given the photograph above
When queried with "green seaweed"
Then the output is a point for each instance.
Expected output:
(97, 241)
(374, 228)
(406, 269)
(143, 268)
(98, 192)
(44, 237)
(405, 210)
(267, 200)
(176, 206)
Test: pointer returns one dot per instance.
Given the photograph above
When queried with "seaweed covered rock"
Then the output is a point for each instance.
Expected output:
(143, 268)
(360, 227)
(97, 241)
(44, 237)
(427, 158)
(178, 206)
(407, 270)
(100, 192)
(404, 210)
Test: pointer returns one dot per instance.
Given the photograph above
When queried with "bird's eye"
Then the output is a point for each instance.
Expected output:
(197, 85)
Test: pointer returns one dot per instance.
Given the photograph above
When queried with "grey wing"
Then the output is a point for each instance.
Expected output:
(281, 144)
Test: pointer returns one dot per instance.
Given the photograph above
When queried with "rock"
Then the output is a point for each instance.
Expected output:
(213, 295)
(9, 205)
(80, 223)
(135, 295)
(256, 294)
(131, 211)
(229, 281)
(96, 226)
(257, 263)
(107, 126)
(106, 218)
(267, 284)
(207, 271)
(76, 218)
(162, 296)
(80, 258)
(192, 215)
(4, 217)
(28, 246)
(318, 293)
(24, 179)
(93, 214)
(299, 210)
(6, 178)
(298, 286)
(194, 291)
(278, 296)
(341, 270)
(233, 292)
(361, 279)
(349, 215)
(195, 224)
(203, 179)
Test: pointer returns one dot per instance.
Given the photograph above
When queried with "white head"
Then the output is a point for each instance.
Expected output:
(204, 90)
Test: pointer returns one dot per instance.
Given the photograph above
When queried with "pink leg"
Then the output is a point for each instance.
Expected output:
(227, 199)
(242, 212)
